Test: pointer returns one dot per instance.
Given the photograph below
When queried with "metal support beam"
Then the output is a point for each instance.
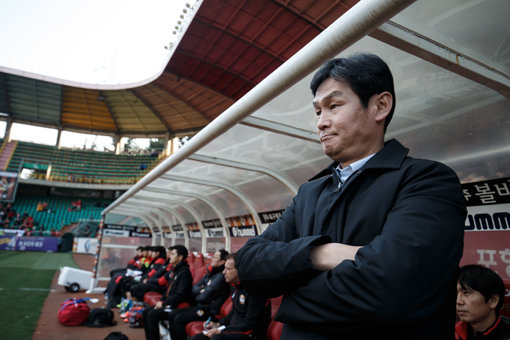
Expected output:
(244, 199)
(151, 221)
(438, 54)
(164, 209)
(282, 129)
(125, 211)
(167, 216)
(200, 197)
(191, 210)
(287, 182)
(353, 25)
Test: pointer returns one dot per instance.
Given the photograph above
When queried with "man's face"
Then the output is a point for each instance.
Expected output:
(347, 131)
(230, 271)
(174, 257)
(472, 308)
(216, 260)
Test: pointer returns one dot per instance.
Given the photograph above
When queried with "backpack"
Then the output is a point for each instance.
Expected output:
(135, 318)
(74, 312)
(100, 317)
(116, 336)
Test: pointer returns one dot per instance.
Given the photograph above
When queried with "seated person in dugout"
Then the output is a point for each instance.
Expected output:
(179, 284)
(157, 264)
(250, 315)
(209, 295)
(370, 246)
(134, 265)
(133, 276)
(480, 294)
(151, 283)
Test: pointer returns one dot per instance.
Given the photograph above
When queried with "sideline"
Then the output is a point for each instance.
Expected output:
(34, 289)
(38, 289)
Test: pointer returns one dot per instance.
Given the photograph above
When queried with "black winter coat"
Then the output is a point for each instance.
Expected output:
(180, 282)
(211, 291)
(408, 214)
(250, 314)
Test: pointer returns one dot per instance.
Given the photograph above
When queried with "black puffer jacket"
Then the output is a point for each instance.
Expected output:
(250, 314)
(212, 290)
(179, 284)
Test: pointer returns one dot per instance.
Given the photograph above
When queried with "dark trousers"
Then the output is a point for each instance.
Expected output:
(125, 285)
(139, 290)
(179, 318)
(223, 336)
(151, 318)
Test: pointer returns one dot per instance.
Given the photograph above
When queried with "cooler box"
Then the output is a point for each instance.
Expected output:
(74, 279)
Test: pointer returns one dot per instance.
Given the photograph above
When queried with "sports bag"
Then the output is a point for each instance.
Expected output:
(100, 317)
(74, 312)
(135, 317)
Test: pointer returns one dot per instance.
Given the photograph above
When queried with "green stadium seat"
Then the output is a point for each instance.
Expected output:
(83, 166)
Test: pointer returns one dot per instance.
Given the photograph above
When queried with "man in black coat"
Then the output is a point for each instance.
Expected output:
(250, 315)
(369, 247)
(480, 296)
(209, 294)
(178, 290)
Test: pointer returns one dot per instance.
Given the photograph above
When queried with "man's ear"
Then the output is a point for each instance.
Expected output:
(493, 301)
(383, 103)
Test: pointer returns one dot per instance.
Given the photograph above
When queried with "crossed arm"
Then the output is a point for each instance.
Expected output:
(330, 255)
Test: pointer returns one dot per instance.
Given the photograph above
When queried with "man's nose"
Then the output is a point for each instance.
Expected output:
(323, 121)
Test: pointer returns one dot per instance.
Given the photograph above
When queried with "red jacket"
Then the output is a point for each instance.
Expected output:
(500, 330)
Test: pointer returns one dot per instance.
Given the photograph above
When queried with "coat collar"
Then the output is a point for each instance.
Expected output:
(215, 270)
(182, 264)
(390, 156)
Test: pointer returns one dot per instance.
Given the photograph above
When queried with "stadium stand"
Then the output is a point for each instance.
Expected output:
(6, 151)
(58, 212)
(77, 165)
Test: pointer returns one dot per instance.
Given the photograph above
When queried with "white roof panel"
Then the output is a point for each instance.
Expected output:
(452, 91)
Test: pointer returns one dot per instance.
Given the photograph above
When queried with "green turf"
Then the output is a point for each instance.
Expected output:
(25, 280)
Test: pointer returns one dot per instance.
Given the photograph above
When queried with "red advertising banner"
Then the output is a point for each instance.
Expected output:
(487, 238)
(488, 248)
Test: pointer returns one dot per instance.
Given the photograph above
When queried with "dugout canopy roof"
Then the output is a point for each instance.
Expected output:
(451, 66)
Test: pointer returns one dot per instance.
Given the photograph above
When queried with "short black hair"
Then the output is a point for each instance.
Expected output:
(366, 74)
(181, 250)
(161, 251)
(223, 254)
(232, 256)
(484, 280)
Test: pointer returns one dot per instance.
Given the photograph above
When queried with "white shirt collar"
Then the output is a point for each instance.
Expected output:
(346, 172)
